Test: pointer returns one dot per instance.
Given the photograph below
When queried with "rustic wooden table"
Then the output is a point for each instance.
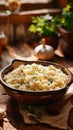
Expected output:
(13, 120)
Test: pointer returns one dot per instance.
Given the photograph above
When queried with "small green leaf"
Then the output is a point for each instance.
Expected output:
(50, 80)
(32, 28)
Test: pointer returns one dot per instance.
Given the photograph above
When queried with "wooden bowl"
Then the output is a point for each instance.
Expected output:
(34, 97)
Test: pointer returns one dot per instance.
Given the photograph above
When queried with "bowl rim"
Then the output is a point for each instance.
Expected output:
(10, 67)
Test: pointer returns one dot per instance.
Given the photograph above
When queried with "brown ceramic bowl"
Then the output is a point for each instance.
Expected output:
(32, 97)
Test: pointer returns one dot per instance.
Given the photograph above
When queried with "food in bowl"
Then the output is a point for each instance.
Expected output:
(36, 77)
(35, 94)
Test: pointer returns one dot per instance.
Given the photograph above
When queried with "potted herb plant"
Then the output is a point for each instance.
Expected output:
(45, 26)
(65, 28)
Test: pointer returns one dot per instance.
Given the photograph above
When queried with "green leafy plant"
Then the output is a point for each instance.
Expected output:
(66, 20)
(44, 25)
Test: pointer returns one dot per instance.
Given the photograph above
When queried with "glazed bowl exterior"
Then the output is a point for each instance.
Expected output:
(32, 97)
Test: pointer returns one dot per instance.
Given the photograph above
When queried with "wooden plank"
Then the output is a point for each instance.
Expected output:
(25, 16)
(34, 6)
(25, 5)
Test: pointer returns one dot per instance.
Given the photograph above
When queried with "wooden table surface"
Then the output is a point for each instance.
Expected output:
(14, 120)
